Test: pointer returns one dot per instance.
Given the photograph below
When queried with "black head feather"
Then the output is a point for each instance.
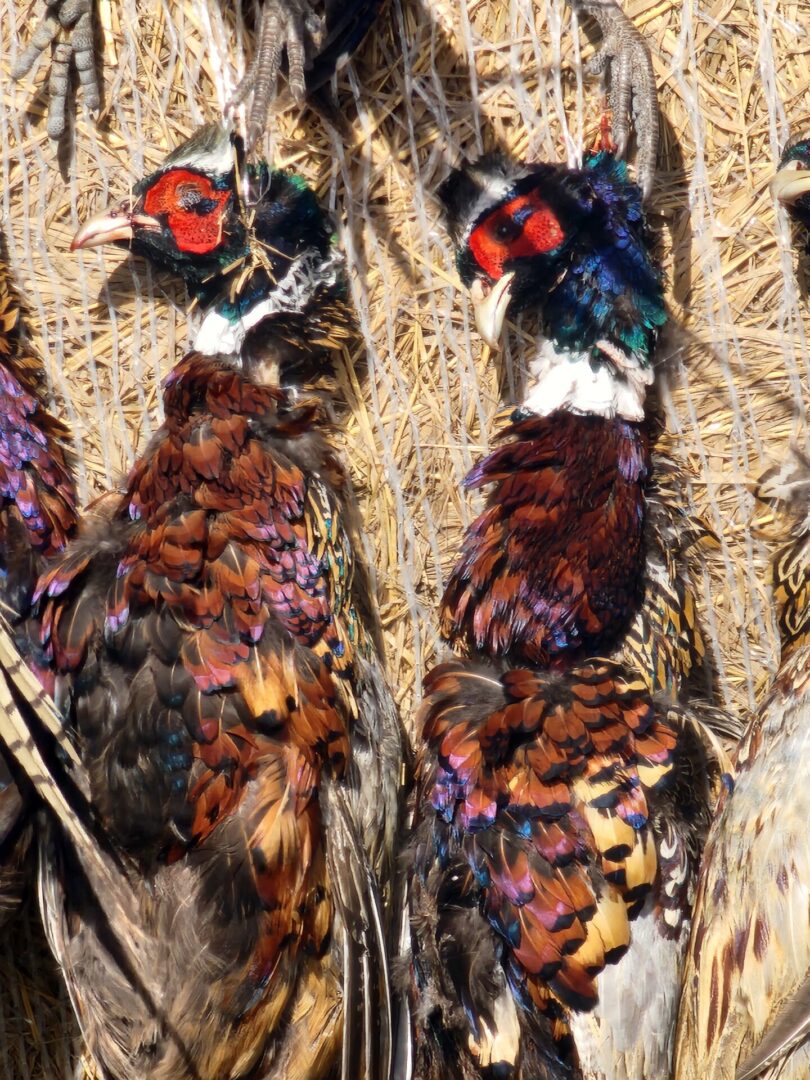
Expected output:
(575, 240)
(471, 186)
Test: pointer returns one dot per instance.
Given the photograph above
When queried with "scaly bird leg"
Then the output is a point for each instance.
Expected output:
(73, 21)
(625, 57)
(284, 24)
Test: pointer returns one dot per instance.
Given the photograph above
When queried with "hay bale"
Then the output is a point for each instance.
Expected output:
(432, 80)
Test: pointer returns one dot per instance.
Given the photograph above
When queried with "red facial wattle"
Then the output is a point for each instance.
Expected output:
(193, 208)
(524, 227)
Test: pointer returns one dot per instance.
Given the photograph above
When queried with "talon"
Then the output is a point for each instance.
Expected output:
(315, 49)
(68, 23)
(285, 25)
(625, 58)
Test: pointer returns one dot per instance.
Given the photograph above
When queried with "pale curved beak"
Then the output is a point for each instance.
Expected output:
(117, 223)
(790, 183)
(490, 304)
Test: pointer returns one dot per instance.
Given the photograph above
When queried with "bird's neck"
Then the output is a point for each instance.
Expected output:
(261, 295)
(603, 313)
(274, 273)
(605, 380)
(554, 564)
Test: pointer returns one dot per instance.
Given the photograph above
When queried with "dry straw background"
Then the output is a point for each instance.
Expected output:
(433, 79)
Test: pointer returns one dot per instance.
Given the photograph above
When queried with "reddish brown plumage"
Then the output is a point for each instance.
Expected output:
(541, 782)
(556, 561)
(217, 555)
(210, 640)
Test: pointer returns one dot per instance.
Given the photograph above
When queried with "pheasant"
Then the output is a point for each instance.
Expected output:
(317, 38)
(662, 638)
(216, 659)
(37, 517)
(573, 241)
(745, 1011)
(562, 806)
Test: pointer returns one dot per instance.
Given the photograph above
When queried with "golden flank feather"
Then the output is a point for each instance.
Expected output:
(745, 1010)
(664, 642)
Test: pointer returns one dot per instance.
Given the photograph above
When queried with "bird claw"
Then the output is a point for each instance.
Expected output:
(284, 24)
(67, 25)
(625, 58)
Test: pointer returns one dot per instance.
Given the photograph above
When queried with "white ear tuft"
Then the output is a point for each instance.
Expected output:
(210, 149)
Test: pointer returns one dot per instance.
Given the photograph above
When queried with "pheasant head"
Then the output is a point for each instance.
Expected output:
(572, 247)
(250, 242)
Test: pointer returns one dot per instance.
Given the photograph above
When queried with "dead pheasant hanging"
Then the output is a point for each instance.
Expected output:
(562, 807)
(745, 1010)
(216, 660)
(37, 517)
(37, 495)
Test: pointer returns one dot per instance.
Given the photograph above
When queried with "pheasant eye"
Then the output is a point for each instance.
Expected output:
(189, 197)
(521, 228)
(507, 229)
